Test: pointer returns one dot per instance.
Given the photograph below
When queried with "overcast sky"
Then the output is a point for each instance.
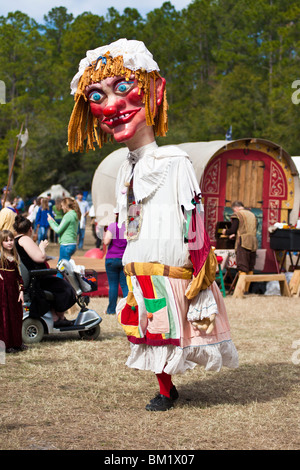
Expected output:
(38, 8)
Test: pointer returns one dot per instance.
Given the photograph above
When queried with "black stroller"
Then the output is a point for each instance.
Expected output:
(87, 322)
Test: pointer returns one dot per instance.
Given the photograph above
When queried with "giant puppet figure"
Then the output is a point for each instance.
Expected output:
(174, 315)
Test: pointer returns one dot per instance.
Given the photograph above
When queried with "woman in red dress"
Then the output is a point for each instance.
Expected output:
(11, 295)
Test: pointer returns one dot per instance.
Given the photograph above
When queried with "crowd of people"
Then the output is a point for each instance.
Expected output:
(38, 213)
(24, 237)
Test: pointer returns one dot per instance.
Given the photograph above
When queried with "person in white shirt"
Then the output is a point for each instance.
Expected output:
(84, 208)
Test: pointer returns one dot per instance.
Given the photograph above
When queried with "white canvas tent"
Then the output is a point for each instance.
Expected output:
(56, 190)
(200, 153)
(103, 186)
(296, 160)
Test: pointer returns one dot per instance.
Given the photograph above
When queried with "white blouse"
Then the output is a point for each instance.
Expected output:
(164, 181)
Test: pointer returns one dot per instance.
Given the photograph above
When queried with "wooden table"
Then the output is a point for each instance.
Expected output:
(245, 280)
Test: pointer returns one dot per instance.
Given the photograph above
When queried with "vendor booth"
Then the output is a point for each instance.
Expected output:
(257, 172)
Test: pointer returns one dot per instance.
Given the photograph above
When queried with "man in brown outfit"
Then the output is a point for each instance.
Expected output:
(243, 227)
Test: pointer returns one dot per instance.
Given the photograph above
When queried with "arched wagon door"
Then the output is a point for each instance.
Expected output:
(253, 177)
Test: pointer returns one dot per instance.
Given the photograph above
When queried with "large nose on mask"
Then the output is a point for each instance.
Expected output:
(109, 111)
(113, 107)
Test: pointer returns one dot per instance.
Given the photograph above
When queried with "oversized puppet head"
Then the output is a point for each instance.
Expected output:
(118, 91)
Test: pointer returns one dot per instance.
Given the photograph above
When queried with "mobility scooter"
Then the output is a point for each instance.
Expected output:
(87, 322)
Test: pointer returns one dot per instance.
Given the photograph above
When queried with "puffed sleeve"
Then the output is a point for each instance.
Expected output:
(188, 186)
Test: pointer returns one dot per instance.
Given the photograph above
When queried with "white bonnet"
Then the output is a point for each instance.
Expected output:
(135, 56)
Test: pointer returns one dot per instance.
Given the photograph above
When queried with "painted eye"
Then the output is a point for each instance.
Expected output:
(95, 96)
(122, 87)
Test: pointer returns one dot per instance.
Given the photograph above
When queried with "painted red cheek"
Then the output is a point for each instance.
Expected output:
(96, 109)
(134, 97)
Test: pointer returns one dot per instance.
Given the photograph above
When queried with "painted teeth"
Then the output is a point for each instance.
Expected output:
(120, 117)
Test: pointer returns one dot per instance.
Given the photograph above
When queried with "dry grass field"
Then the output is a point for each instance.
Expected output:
(69, 394)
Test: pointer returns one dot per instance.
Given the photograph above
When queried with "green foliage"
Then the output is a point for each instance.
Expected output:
(226, 62)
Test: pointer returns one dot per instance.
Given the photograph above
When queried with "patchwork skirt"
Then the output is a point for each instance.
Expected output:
(155, 318)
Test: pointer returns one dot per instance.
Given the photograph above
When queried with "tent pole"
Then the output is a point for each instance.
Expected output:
(12, 166)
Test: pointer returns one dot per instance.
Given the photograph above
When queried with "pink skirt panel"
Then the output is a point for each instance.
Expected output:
(189, 336)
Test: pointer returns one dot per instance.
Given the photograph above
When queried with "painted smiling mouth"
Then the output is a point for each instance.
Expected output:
(122, 118)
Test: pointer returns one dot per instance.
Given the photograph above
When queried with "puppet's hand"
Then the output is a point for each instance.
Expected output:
(207, 324)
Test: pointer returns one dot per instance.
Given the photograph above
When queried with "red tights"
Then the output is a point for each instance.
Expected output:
(165, 383)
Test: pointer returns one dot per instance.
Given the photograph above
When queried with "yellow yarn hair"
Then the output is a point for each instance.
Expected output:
(84, 129)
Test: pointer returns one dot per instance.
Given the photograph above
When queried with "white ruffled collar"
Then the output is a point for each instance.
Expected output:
(135, 155)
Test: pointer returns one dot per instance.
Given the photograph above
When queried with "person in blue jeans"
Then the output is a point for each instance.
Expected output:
(67, 228)
(116, 243)
(42, 224)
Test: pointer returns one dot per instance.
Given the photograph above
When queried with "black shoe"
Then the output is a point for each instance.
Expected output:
(174, 395)
(160, 403)
(11, 350)
(23, 347)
